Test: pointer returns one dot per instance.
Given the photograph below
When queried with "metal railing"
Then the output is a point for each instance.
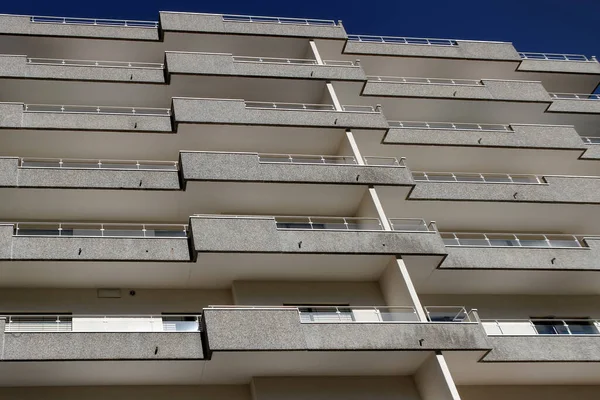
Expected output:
(449, 314)
(529, 240)
(351, 224)
(298, 61)
(575, 96)
(402, 40)
(114, 230)
(63, 163)
(411, 225)
(93, 63)
(457, 126)
(306, 107)
(420, 176)
(434, 81)
(328, 160)
(93, 21)
(534, 327)
(102, 323)
(591, 139)
(556, 57)
(71, 109)
(277, 20)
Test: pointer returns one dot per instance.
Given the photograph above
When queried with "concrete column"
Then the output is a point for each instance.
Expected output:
(313, 47)
(434, 381)
(354, 147)
(334, 98)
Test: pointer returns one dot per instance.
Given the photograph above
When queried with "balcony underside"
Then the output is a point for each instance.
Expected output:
(160, 146)
(85, 205)
(466, 370)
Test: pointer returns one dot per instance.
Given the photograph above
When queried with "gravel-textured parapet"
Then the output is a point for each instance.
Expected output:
(8, 171)
(207, 166)
(572, 67)
(575, 106)
(537, 348)
(587, 258)
(97, 122)
(11, 115)
(214, 23)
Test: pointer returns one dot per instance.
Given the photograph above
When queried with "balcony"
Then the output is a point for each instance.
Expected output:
(575, 103)
(313, 235)
(74, 337)
(543, 340)
(257, 167)
(78, 27)
(99, 118)
(240, 112)
(89, 174)
(505, 187)
(270, 67)
(16, 66)
(93, 242)
(501, 251)
(240, 328)
(435, 48)
(250, 25)
(483, 135)
(559, 63)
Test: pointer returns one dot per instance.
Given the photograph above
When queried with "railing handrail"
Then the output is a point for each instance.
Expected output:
(579, 240)
(425, 81)
(280, 20)
(306, 106)
(95, 63)
(99, 316)
(556, 56)
(575, 96)
(131, 23)
(403, 40)
(113, 227)
(394, 162)
(591, 139)
(424, 177)
(301, 61)
(565, 325)
(450, 125)
(98, 162)
(86, 109)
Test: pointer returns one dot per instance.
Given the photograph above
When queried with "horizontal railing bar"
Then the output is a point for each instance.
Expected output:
(428, 176)
(95, 163)
(307, 107)
(75, 109)
(306, 61)
(515, 240)
(556, 57)
(403, 40)
(459, 126)
(99, 316)
(428, 81)
(591, 139)
(93, 63)
(281, 20)
(575, 96)
(92, 21)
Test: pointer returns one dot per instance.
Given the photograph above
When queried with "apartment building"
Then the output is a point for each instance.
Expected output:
(260, 208)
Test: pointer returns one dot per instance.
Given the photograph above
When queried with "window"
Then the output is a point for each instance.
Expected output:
(556, 326)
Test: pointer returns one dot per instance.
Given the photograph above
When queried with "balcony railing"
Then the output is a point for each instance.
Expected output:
(366, 314)
(277, 20)
(50, 229)
(306, 107)
(477, 178)
(459, 239)
(433, 81)
(63, 163)
(457, 126)
(328, 160)
(351, 224)
(411, 225)
(297, 61)
(591, 139)
(93, 63)
(93, 21)
(70, 109)
(402, 40)
(557, 57)
(575, 96)
(97, 323)
(535, 327)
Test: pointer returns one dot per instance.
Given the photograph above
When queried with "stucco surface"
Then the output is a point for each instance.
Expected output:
(573, 67)
(230, 330)
(102, 346)
(235, 112)
(8, 171)
(11, 115)
(261, 235)
(524, 258)
(575, 106)
(206, 166)
(207, 23)
(592, 152)
(532, 136)
(102, 122)
(553, 348)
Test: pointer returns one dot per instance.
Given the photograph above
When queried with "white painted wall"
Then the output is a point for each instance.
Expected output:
(221, 392)
(278, 293)
(509, 306)
(433, 380)
(392, 286)
(85, 301)
(342, 388)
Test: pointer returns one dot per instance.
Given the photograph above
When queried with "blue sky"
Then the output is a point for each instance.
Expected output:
(559, 26)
